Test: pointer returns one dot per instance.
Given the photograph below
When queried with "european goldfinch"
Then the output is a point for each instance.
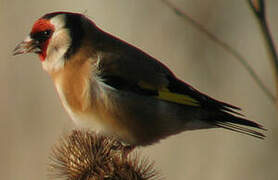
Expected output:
(110, 86)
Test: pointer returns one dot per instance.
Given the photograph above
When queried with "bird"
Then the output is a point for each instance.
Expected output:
(110, 86)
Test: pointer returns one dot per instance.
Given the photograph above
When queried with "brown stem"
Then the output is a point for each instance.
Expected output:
(225, 46)
(258, 7)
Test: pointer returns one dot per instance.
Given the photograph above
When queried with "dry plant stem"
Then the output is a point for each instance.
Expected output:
(225, 46)
(258, 7)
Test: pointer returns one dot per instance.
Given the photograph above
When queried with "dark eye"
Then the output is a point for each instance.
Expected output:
(46, 33)
(41, 36)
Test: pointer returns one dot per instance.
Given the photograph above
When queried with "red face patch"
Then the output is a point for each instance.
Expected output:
(42, 25)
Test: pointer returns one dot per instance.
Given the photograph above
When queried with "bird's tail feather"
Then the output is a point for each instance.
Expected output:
(233, 123)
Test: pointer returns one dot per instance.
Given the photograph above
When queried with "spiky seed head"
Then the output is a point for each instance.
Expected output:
(85, 155)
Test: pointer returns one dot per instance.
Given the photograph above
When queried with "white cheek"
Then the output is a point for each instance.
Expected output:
(58, 21)
(51, 66)
(57, 47)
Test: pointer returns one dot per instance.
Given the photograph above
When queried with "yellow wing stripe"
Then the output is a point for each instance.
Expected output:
(166, 95)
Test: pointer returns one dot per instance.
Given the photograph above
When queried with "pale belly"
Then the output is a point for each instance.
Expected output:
(83, 120)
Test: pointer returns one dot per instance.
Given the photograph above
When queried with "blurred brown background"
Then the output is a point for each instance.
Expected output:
(32, 117)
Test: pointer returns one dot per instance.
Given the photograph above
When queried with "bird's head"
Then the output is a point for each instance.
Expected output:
(55, 37)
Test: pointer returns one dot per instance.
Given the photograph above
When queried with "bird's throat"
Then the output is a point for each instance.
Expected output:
(43, 53)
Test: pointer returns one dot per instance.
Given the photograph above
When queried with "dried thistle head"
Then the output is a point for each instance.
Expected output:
(86, 155)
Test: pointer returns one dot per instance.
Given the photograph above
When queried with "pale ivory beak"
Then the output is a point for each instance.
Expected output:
(27, 46)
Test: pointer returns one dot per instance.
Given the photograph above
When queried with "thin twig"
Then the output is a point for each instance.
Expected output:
(258, 7)
(225, 46)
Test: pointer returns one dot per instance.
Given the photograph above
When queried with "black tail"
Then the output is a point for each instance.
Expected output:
(234, 123)
(220, 114)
